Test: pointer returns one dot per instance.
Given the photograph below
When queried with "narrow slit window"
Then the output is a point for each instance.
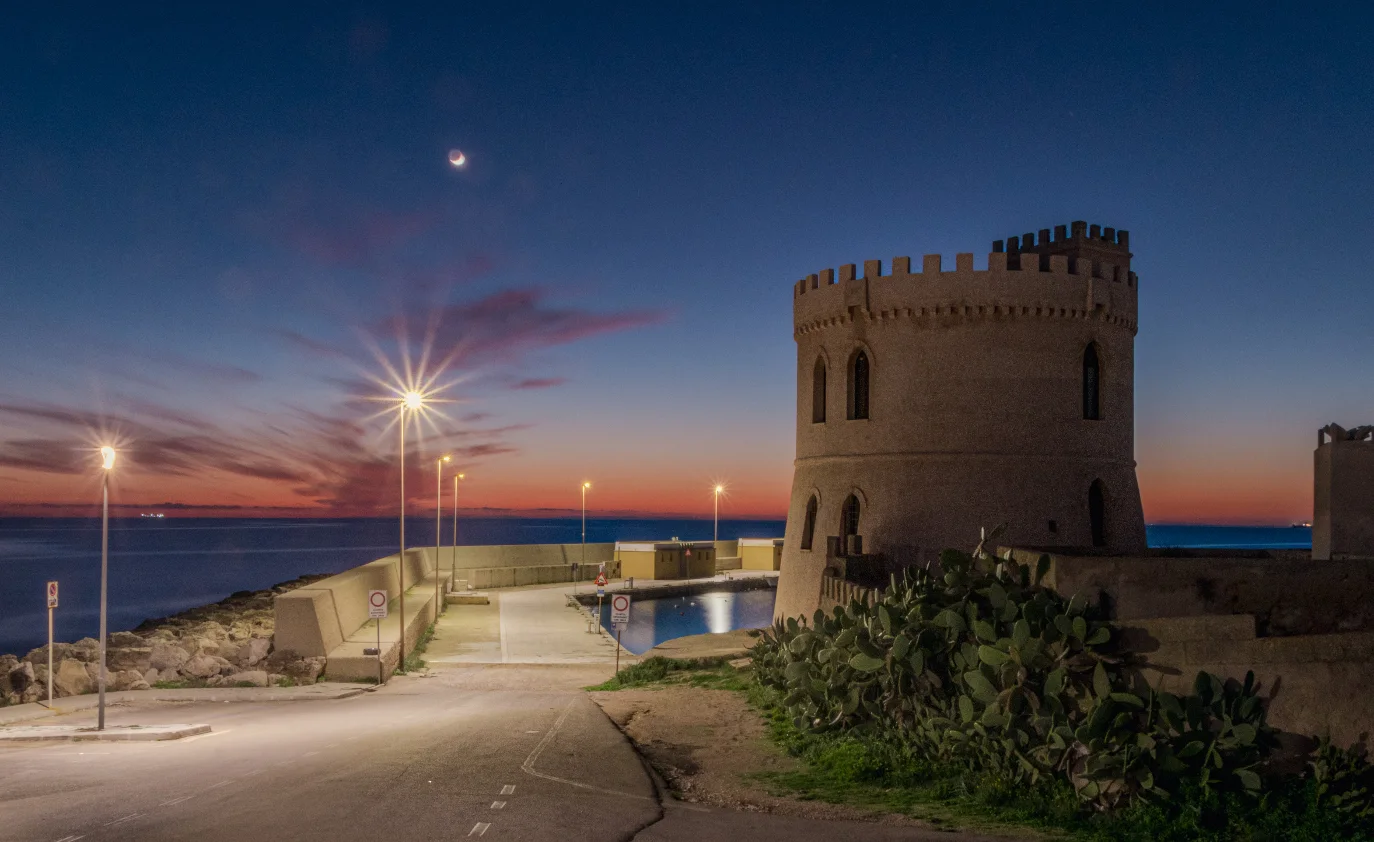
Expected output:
(1097, 513)
(809, 524)
(849, 517)
(1092, 385)
(818, 393)
(858, 387)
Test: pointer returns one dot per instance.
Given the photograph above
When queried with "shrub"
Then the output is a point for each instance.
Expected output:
(989, 670)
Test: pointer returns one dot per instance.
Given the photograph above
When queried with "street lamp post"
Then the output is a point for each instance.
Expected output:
(453, 569)
(412, 401)
(438, 511)
(107, 454)
(585, 486)
(715, 531)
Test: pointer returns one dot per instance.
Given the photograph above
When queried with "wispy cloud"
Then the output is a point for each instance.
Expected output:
(539, 382)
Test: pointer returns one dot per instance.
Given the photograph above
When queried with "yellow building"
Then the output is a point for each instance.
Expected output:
(760, 553)
(666, 559)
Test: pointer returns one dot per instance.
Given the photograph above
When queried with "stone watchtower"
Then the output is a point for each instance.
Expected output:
(933, 402)
(1343, 493)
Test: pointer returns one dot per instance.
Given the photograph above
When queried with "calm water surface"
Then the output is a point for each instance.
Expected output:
(653, 621)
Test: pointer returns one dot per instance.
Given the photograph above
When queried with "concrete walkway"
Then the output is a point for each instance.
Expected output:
(527, 625)
(538, 624)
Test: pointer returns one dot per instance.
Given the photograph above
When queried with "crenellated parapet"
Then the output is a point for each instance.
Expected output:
(1079, 272)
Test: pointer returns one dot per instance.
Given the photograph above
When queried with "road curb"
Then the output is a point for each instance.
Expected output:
(116, 734)
(75, 704)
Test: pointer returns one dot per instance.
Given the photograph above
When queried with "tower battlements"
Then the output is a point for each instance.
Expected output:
(1078, 271)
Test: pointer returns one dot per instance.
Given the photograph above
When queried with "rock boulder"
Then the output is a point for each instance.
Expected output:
(257, 678)
(165, 656)
(72, 679)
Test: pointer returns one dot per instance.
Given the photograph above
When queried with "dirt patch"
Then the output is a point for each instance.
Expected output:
(707, 743)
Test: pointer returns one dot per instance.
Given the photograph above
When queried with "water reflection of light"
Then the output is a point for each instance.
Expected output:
(718, 612)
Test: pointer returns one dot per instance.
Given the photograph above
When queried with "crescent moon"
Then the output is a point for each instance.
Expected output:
(457, 158)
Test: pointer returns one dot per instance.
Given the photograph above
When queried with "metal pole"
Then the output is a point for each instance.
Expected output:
(438, 510)
(584, 524)
(49, 656)
(380, 679)
(453, 568)
(401, 558)
(104, 589)
(715, 532)
(617, 650)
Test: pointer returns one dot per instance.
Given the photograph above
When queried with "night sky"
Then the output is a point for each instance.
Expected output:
(215, 223)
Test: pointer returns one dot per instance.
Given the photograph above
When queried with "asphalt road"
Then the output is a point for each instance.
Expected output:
(468, 753)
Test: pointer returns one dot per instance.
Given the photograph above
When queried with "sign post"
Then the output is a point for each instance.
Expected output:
(376, 609)
(52, 604)
(600, 593)
(620, 618)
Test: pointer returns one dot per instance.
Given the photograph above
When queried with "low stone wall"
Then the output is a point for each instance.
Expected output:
(1286, 592)
(836, 591)
(1314, 685)
(723, 564)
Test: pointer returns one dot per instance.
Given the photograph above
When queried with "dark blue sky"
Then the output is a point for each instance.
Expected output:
(203, 213)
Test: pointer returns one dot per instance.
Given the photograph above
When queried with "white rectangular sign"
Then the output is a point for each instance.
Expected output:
(620, 610)
(376, 605)
(52, 594)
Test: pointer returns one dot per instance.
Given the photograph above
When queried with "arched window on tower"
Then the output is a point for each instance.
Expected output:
(849, 519)
(858, 386)
(818, 393)
(1092, 384)
(809, 524)
(1097, 513)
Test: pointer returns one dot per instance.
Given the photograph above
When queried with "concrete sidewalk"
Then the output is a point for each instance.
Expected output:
(71, 704)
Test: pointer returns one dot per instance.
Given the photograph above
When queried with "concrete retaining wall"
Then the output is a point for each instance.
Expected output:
(521, 555)
(316, 619)
(481, 578)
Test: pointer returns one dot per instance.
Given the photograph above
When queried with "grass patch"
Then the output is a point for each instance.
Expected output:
(712, 673)
(178, 684)
(286, 681)
(414, 658)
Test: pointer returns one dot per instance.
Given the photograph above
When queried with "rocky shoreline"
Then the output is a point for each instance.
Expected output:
(227, 644)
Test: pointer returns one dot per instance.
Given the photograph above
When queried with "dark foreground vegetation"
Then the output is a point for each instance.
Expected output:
(976, 688)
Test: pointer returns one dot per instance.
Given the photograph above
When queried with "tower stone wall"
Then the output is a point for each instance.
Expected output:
(976, 406)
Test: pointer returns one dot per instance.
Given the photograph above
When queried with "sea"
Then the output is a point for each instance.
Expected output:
(159, 566)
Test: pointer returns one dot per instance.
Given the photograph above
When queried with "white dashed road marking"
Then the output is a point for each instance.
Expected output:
(497, 805)
(125, 819)
(70, 838)
(176, 801)
(508, 789)
(220, 784)
(479, 829)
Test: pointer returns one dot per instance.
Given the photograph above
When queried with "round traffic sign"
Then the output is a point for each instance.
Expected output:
(620, 602)
(377, 598)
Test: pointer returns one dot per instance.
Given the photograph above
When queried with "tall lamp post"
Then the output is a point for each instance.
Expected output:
(715, 531)
(107, 454)
(438, 510)
(453, 570)
(413, 401)
(585, 486)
